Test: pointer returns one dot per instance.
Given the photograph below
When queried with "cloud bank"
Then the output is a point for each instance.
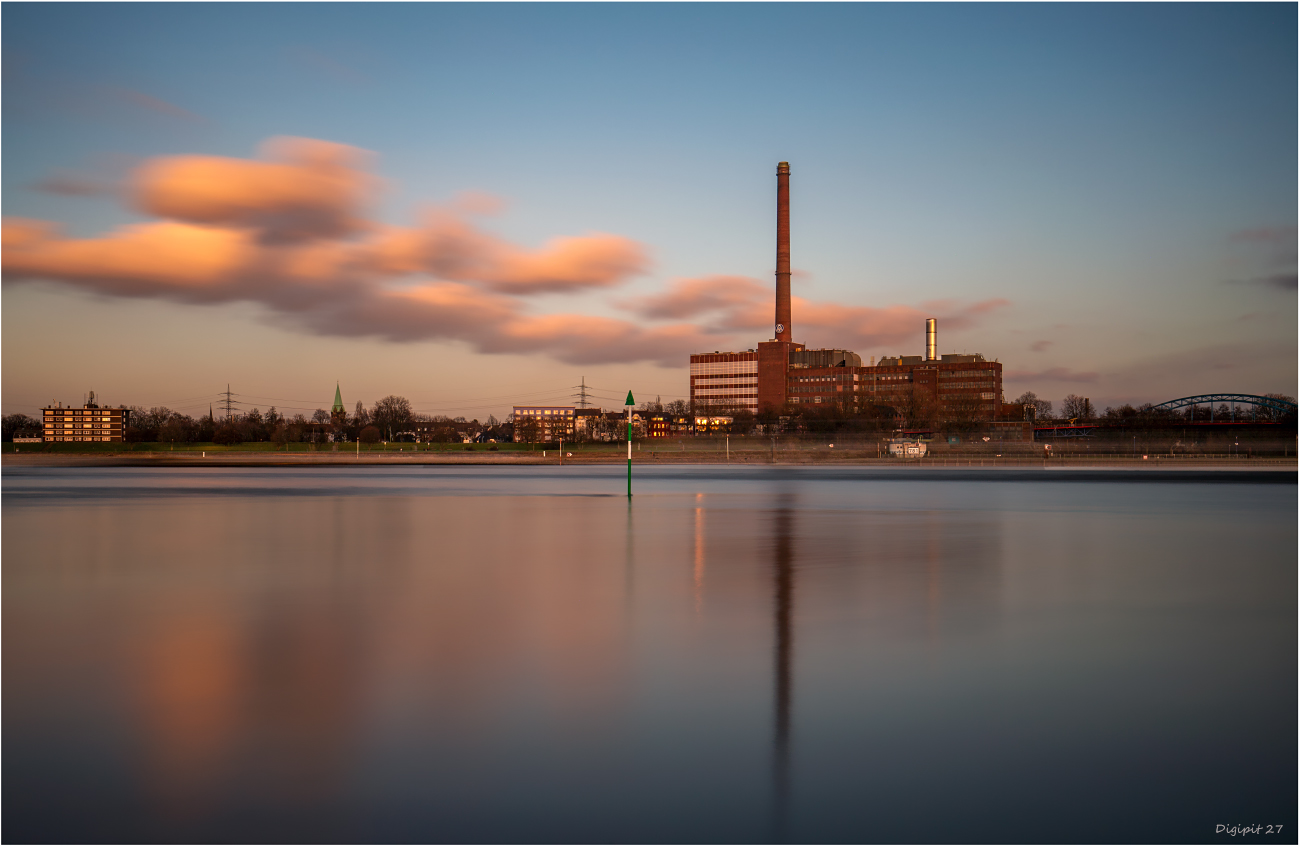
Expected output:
(727, 304)
(291, 230)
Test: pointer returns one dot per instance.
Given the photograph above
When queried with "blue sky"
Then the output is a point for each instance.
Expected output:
(1115, 184)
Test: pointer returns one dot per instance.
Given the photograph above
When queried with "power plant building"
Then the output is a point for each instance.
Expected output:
(728, 380)
(782, 373)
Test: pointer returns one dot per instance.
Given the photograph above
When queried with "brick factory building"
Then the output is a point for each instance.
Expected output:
(782, 373)
(88, 423)
(728, 380)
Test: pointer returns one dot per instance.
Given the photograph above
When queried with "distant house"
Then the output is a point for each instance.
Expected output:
(665, 425)
(712, 424)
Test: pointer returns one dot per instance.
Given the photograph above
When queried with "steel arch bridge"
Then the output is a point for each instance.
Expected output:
(1243, 399)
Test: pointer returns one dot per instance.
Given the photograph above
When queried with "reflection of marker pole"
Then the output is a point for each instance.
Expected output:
(630, 402)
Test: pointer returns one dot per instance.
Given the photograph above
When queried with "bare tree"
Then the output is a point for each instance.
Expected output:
(526, 430)
(1042, 409)
(1076, 407)
(391, 414)
(21, 426)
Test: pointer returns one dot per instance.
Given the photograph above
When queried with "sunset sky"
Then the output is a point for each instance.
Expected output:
(479, 205)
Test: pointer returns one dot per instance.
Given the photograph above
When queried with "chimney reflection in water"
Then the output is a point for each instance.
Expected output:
(783, 577)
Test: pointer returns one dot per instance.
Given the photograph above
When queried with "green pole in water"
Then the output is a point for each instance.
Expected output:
(630, 402)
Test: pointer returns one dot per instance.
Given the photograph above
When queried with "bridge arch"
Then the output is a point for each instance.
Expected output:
(1271, 403)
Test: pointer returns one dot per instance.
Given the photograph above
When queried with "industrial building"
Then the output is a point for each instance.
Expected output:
(88, 423)
(782, 373)
(727, 380)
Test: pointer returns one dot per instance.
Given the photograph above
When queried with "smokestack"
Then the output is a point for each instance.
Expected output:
(931, 340)
(783, 251)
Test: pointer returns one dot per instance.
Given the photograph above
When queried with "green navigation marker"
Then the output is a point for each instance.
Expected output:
(630, 402)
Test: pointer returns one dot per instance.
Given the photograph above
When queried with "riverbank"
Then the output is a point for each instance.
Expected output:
(847, 458)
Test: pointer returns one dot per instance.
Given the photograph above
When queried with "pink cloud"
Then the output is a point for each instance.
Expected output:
(723, 304)
(289, 231)
(1051, 374)
(307, 189)
(1040, 346)
(448, 247)
(687, 298)
(328, 288)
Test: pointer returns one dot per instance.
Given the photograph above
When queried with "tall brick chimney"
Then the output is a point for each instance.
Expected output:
(774, 355)
(783, 252)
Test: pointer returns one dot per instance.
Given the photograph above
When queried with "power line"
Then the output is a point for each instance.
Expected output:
(229, 402)
(582, 393)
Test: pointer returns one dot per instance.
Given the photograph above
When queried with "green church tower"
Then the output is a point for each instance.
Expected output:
(338, 412)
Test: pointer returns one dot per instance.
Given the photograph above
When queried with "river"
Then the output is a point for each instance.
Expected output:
(734, 655)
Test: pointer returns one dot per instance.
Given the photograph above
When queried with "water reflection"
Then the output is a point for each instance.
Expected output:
(430, 666)
(783, 581)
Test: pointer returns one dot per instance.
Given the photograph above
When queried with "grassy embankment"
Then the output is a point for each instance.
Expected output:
(1157, 449)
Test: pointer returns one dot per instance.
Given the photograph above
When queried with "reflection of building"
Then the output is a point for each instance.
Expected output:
(782, 372)
(541, 423)
(88, 423)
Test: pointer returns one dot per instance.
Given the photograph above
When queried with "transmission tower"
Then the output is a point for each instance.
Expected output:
(229, 403)
(581, 396)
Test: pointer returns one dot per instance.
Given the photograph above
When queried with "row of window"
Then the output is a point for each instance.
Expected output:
(746, 383)
(724, 368)
(83, 425)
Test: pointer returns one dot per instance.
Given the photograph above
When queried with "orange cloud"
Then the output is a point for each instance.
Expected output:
(308, 189)
(289, 231)
(448, 247)
(138, 260)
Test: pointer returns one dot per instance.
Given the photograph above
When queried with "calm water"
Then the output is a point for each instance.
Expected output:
(470, 654)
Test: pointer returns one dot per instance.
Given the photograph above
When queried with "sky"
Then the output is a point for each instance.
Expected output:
(481, 205)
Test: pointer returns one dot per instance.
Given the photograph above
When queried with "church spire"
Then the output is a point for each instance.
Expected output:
(338, 401)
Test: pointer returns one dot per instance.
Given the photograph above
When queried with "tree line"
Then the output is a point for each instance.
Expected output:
(389, 419)
(392, 419)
